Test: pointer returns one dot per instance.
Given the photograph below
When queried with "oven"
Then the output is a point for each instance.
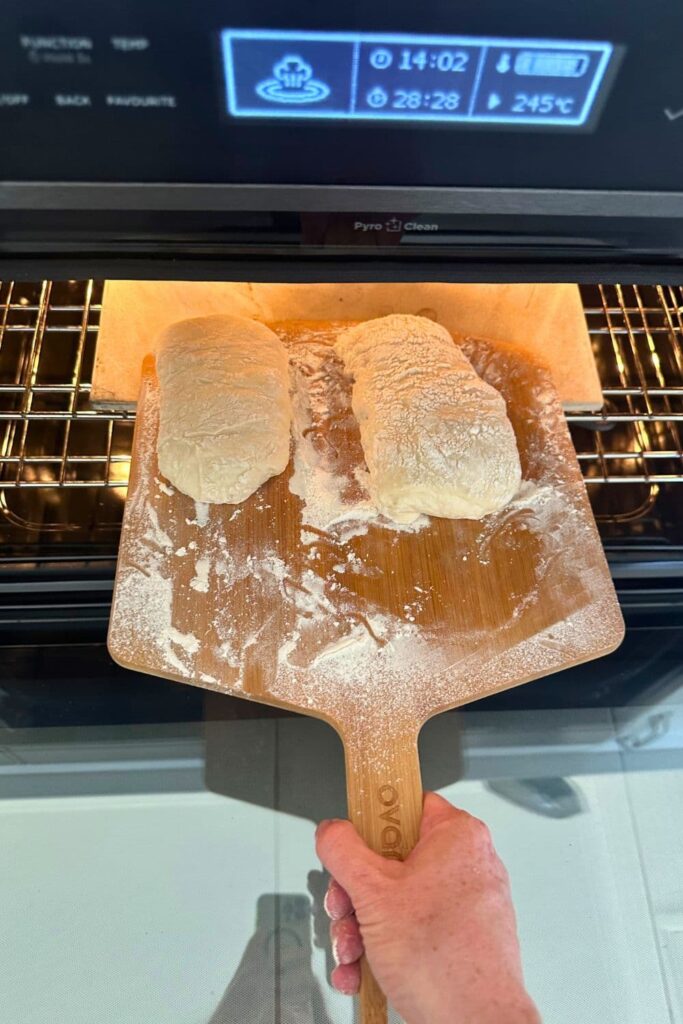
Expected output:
(156, 841)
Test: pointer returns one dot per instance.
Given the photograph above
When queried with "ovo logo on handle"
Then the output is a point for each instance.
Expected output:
(391, 838)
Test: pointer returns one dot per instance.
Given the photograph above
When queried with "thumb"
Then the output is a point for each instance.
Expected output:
(346, 857)
(435, 810)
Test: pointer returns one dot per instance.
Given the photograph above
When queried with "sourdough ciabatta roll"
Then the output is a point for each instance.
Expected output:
(436, 437)
(225, 410)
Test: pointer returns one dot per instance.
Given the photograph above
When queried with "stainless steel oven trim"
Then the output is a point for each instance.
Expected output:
(44, 195)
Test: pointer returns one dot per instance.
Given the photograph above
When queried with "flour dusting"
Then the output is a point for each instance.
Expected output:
(201, 516)
(329, 469)
(164, 487)
(200, 581)
(307, 594)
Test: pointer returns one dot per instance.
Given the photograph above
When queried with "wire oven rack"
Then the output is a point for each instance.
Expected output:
(64, 465)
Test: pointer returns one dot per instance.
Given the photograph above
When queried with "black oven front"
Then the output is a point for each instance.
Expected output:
(482, 141)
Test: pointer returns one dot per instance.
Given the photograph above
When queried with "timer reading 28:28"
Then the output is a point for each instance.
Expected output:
(414, 99)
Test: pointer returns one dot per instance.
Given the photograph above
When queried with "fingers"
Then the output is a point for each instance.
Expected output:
(337, 901)
(347, 944)
(346, 979)
(346, 856)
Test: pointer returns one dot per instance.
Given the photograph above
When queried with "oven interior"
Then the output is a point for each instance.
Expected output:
(64, 465)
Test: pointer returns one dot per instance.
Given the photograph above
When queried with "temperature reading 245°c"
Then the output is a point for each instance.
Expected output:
(542, 103)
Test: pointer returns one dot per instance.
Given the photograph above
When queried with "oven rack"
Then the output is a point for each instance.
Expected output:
(52, 439)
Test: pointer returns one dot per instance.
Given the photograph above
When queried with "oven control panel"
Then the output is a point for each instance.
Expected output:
(493, 95)
(447, 80)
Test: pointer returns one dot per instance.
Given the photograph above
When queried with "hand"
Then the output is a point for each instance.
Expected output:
(438, 928)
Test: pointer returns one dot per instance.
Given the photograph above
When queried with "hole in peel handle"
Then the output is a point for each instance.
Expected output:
(384, 791)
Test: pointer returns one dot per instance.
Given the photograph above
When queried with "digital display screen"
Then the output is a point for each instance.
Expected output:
(448, 79)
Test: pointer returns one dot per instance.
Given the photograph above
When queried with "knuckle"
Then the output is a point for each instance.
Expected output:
(479, 832)
(465, 827)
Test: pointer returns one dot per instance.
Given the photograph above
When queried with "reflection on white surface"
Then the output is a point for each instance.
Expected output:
(138, 908)
(128, 909)
(656, 802)
(588, 943)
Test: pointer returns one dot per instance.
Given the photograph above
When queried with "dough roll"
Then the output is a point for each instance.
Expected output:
(225, 410)
(436, 437)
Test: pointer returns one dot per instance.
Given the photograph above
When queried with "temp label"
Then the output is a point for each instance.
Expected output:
(338, 75)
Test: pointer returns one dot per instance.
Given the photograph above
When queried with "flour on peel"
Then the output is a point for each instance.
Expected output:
(306, 615)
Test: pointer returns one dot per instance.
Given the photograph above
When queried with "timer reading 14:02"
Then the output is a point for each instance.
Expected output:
(382, 58)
